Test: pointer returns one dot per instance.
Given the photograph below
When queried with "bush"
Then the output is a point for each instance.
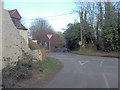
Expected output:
(32, 47)
(11, 75)
(29, 70)
(17, 72)
(21, 71)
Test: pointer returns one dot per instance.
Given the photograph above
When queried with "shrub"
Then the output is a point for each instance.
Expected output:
(17, 72)
(32, 47)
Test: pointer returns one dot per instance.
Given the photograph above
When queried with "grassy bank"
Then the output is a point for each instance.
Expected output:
(29, 75)
(96, 53)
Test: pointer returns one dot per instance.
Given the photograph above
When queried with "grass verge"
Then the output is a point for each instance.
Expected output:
(29, 77)
(96, 53)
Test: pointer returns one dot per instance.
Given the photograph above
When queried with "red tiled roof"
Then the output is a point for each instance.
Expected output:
(14, 14)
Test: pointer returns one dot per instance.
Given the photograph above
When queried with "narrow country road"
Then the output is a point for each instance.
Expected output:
(81, 71)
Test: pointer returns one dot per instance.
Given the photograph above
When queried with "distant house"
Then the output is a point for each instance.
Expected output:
(16, 18)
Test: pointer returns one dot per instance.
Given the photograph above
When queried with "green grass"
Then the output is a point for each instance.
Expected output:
(96, 53)
(38, 72)
(50, 66)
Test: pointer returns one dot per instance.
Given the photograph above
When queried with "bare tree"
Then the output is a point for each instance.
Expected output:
(38, 30)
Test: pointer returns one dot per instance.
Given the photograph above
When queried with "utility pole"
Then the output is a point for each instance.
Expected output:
(80, 30)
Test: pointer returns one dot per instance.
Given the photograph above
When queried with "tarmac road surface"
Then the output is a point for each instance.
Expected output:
(81, 71)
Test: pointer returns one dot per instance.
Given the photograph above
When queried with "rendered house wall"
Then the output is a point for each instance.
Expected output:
(23, 33)
(13, 43)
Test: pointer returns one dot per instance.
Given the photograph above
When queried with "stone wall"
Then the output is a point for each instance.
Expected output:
(41, 51)
(37, 54)
(13, 44)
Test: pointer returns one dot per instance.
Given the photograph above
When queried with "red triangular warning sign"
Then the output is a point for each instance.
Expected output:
(49, 36)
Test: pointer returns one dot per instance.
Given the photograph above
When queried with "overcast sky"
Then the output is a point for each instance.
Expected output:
(56, 12)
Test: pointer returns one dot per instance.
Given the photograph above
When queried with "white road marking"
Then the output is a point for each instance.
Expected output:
(105, 79)
(82, 63)
(101, 63)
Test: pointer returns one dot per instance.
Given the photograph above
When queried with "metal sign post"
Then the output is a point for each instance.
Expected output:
(80, 43)
(49, 46)
(49, 36)
(80, 30)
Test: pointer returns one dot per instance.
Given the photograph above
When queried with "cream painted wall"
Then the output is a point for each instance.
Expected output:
(24, 34)
(13, 43)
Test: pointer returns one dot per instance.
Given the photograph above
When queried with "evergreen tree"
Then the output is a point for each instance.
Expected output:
(110, 31)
